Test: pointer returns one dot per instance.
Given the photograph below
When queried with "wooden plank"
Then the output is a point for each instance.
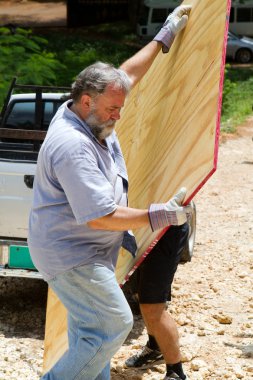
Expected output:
(169, 134)
(55, 328)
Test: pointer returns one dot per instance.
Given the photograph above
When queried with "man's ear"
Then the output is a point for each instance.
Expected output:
(86, 102)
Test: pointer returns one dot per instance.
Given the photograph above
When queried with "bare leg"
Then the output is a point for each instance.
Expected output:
(161, 325)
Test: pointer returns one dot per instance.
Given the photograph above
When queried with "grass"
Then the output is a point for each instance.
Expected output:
(238, 97)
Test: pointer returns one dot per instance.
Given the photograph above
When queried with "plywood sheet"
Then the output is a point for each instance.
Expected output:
(169, 135)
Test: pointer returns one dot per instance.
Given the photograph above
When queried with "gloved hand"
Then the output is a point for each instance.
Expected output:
(173, 213)
(174, 23)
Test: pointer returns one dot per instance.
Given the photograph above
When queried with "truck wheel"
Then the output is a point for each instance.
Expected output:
(188, 249)
(243, 56)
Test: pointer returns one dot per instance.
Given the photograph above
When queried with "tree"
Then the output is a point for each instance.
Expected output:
(24, 55)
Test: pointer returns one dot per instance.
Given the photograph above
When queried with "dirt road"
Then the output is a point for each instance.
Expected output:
(212, 295)
(32, 13)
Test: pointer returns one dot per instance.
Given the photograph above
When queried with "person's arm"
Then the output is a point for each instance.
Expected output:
(137, 66)
(158, 216)
(122, 219)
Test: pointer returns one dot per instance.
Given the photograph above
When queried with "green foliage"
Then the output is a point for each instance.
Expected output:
(39, 69)
(80, 48)
(23, 55)
(56, 58)
(237, 97)
(228, 87)
(53, 59)
(83, 54)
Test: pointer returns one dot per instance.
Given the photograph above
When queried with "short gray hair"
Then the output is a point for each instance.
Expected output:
(94, 79)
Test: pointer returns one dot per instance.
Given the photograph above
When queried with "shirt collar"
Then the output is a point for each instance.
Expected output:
(72, 115)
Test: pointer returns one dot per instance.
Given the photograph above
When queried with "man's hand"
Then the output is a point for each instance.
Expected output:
(175, 22)
(171, 213)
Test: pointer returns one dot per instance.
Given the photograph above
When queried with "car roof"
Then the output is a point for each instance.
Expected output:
(48, 95)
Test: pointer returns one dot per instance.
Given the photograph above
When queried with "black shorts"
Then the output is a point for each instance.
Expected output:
(156, 273)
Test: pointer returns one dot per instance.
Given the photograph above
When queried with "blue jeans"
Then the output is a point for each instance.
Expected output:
(99, 320)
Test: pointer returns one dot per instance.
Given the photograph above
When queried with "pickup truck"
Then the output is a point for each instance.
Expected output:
(24, 120)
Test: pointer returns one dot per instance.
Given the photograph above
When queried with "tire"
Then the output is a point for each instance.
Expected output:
(243, 56)
(187, 253)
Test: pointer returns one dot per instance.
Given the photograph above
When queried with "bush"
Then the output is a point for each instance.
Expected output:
(228, 87)
(237, 97)
(78, 50)
(51, 59)
(23, 55)
(56, 58)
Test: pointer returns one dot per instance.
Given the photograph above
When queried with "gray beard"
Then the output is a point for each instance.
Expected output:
(100, 130)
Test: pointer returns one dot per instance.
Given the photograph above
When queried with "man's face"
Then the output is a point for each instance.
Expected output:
(105, 111)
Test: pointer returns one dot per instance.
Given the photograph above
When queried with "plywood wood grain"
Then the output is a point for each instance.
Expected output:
(169, 135)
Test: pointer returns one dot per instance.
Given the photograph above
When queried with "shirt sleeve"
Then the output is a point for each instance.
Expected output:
(88, 191)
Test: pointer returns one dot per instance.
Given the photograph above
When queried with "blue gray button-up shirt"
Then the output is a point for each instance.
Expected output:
(77, 180)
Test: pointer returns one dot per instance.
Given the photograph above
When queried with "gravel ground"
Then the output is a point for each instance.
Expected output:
(212, 295)
(22, 321)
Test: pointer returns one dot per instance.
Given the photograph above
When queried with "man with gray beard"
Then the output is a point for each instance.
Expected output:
(80, 215)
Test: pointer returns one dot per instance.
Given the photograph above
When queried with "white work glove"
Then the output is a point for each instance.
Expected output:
(173, 213)
(174, 23)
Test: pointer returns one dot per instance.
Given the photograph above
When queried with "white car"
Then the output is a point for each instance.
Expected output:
(239, 49)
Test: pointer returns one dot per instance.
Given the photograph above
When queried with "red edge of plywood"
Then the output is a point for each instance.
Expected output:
(216, 147)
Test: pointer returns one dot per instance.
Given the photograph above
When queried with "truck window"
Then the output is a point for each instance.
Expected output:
(50, 109)
(244, 14)
(159, 15)
(232, 15)
(143, 19)
(21, 115)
